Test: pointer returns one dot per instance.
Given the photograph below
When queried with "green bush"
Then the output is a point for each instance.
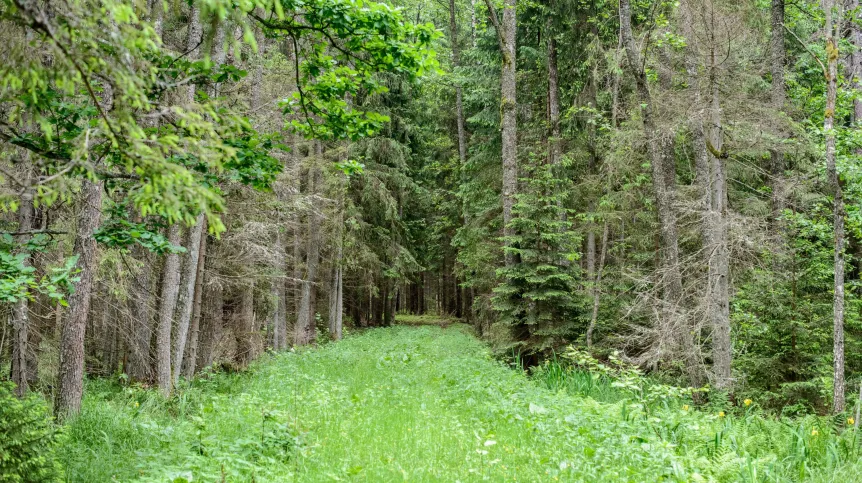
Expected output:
(28, 439)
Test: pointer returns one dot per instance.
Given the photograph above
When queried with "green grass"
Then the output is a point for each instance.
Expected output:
(429, 404)
(425, 319)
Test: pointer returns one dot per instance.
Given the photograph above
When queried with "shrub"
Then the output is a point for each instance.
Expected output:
(28, 439)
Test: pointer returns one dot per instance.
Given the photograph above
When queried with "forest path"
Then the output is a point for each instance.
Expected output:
(392, 404)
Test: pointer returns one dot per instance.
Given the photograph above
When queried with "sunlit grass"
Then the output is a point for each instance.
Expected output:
(430, 404)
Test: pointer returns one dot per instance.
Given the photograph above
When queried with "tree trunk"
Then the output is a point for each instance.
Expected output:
(295, 283)
(553, 98)
(719, 260)
(245, 337)
(838, 209)
(659, 150)
(778, 56)
(156, 14)
(140, 358)
(336, 302)
(185, 305)
(21, 309)
(597, 283)
(191, 355)
(278, 324)
(305, 332)
(167, 304)
(509, 108)
(459, 94)
(212, 318)
(194, 38)
(71, 371)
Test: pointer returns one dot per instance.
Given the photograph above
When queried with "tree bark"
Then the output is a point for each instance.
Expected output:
(245, 337)
(597, 286)
(191, 355)
(140, 359)
(509, 106)
(719, 262)
(212, 318)
(336, 296)
(185, 305)
(167, 304)
(509, 109)
(305, 332)
(838, 209)
(459, 94)
(71, 372)
(278, 323)
(664, 190)
(194, 37)
(778, 56)
(21, 309)
(553, 98)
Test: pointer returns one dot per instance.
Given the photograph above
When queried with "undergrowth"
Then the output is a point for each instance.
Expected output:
(431, 404)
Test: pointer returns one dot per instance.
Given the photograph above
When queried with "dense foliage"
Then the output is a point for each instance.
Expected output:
(28, 439)
(671, 185)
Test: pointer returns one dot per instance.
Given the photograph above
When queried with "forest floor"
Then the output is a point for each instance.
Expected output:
(423, 403)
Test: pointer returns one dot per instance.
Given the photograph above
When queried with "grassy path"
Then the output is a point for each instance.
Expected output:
(398, 404)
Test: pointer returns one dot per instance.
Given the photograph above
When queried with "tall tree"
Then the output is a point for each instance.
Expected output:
(21, 309)
(191, 354)
(831, 74)
(659, 147)
(506, 37)
(778, 55)
(70, 380)
(718, 301)
(459, 92)
(167, 305)
(306, 332)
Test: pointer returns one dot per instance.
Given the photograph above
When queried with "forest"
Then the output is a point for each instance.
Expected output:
(567, 220)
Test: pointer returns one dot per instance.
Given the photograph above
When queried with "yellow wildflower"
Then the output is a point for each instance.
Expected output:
(851, 421)
(721, 414)
(685, 407)
(137, 404)
(747, 402)
(814, 432)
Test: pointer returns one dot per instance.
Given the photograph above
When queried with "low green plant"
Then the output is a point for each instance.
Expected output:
(28, 439)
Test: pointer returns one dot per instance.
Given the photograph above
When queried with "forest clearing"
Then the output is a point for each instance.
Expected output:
(430, 404)
(414, 240)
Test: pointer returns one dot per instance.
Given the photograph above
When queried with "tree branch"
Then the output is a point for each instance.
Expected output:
(492, 13)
